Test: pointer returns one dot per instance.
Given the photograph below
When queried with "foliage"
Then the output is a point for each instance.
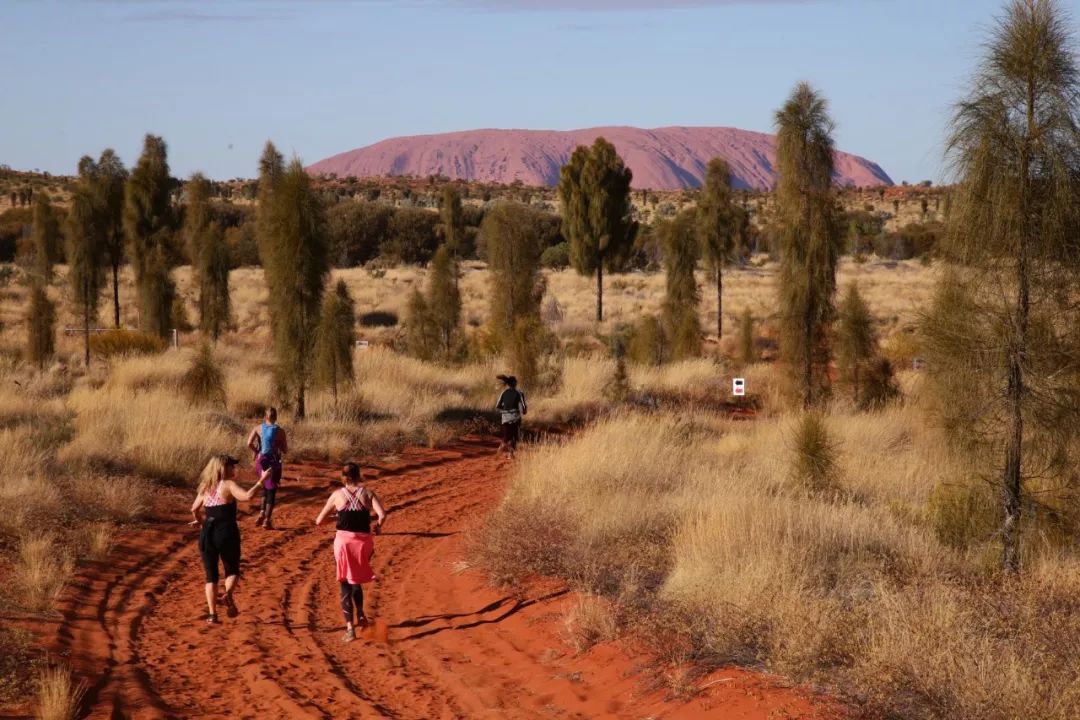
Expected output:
(295, 254)
(356, 231)
(1003, 336)
(718, 227)
(747, 347)
(204, 382)
(512, 238)
(594, 188)
(147, 221)
(680, 311)
(334, 339)
(857, 341)
(40, 326)
(810, 237)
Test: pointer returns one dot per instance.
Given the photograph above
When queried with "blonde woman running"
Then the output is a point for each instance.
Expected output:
(353, 544)
(215, 510)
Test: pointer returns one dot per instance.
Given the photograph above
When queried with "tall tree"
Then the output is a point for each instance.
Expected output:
(1004, 333)
(810, 237)
(110, 178)
(856, 339)
(46, 238)
(680, 311)
(296, 256)
(718, 225)
(84, 256)
(444, 301)
(452, 218)
(148, 224)
(209, 255)
(594, 188)
(41, 313)
(334, 339)
(513, 236)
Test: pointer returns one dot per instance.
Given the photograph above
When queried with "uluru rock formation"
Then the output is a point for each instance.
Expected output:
(662, 159)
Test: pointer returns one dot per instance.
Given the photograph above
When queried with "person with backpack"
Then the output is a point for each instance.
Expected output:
(512, 407)
(269, 444)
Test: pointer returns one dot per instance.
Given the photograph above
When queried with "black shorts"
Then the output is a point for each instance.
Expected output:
(220, 539)
(510, 432)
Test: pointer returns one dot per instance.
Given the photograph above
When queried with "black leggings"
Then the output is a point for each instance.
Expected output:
(220, 540)
(269, 501)
(352, 596)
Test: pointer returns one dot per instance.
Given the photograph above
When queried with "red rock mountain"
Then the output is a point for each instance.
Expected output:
(661, 159)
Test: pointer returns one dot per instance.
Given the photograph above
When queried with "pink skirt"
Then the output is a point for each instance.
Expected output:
(352, 553)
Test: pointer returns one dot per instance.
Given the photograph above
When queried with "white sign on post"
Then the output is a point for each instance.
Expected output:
(738, 386)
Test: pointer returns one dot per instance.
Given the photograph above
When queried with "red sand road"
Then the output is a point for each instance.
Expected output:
(446, 644)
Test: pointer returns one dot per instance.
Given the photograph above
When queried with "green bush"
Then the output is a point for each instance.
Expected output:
(556, 257)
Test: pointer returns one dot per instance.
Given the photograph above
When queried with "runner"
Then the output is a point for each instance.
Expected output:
(220, 535)
(268, 443)
(512, 406)
(353, 544)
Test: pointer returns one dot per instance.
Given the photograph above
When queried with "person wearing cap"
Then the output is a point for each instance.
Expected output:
(215, 510)
(512, 407)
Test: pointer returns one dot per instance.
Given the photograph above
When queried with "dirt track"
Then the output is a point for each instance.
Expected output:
(445, 645)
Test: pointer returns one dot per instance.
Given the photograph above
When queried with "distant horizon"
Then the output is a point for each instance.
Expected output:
(217, 80)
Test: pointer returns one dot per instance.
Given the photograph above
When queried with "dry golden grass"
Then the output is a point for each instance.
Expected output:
(589, 621)
(59, 695)
(693, 521)
(41, 569)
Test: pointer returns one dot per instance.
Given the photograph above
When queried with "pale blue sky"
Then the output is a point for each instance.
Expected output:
(217, 79)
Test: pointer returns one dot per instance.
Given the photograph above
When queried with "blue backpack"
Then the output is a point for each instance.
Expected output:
(269, 439)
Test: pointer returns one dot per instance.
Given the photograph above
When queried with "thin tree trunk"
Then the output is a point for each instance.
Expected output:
(300, 406)
(719, 302)
(600, 291)
(86, 325)
(856, 378)
(116, 294)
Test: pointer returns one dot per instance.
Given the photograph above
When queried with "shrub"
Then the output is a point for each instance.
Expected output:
(590, 621)
(379, 318)
(816, 454)
(556, 257)
(204, 382)
(879, 385)
(111, 343)
(618, 387)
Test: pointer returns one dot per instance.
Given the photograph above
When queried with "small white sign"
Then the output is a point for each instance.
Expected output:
(738, 386)
(362, 343)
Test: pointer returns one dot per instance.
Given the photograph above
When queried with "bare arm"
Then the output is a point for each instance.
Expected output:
(380, 511)
(254, 442)
(330, 505)
(241, 494)
(195, 508)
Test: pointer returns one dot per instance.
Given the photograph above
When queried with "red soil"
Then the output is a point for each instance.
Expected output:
(444, 645)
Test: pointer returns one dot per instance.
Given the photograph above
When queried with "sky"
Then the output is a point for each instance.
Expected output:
(218, 78)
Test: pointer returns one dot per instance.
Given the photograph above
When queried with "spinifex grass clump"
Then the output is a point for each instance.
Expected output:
(204, 382)
(816, 454)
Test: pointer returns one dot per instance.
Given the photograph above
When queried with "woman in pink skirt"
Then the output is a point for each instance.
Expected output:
(353, 544)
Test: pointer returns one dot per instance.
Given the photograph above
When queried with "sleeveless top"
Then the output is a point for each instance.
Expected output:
(218, 509)
(355, 516)
(269, 439)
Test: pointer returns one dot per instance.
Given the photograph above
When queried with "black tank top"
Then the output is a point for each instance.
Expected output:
(218, 509)
(355, 516)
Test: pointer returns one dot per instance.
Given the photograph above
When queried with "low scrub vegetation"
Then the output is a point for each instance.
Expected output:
(879, 587)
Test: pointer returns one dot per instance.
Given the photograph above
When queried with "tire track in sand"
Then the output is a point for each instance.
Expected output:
(449, 646)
